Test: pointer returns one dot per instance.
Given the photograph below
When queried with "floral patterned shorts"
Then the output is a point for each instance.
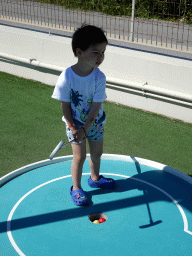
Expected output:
(95, 133)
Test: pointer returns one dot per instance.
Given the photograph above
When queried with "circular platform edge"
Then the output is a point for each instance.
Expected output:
(159, 166)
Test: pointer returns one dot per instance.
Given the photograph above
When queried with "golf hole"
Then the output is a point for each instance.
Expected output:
(97, 216)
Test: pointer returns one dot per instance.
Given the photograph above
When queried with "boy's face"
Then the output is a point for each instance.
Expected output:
(93, 56)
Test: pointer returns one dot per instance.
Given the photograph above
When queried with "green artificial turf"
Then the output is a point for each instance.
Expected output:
(31, 127)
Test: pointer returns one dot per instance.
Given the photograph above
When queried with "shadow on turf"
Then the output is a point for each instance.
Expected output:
(168, 182)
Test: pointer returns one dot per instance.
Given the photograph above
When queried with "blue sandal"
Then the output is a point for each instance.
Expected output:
(102, 182)
(78, 197)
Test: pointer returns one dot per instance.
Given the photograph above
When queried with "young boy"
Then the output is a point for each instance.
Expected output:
(81, 90)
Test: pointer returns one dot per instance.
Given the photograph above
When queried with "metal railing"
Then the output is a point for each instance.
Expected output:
(175, 34)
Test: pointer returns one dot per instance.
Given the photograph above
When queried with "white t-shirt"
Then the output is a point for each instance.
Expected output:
(81, 92)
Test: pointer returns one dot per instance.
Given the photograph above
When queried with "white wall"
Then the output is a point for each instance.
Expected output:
(159, 71)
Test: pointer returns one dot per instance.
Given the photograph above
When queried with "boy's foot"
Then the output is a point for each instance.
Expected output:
(78, 196)
(102, 182)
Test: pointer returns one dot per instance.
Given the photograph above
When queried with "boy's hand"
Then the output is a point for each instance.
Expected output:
(78, 135)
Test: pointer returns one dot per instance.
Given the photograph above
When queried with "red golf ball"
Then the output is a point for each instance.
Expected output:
(102, 220)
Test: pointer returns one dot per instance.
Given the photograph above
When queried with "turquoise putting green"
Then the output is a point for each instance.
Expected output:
(149, 212)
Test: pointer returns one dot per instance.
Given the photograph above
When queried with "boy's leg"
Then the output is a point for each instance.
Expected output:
(96, 150)
(79, 156)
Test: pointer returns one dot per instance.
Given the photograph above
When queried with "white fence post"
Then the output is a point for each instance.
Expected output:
(132, 21)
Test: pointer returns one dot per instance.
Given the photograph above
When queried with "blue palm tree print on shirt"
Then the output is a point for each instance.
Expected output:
(75, 98)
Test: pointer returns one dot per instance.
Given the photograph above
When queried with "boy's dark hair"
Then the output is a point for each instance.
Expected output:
(87, 35)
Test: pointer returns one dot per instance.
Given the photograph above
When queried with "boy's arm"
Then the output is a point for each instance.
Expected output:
(79, 134)
(66, 108)
(95, 107)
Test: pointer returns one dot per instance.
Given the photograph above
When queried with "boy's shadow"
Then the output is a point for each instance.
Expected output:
(150, 194)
